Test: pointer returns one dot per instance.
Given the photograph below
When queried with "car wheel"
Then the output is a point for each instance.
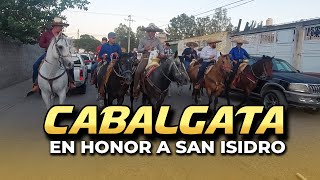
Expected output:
(274, 98)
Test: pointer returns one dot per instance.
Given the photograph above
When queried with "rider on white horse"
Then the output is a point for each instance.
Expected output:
(44, 42)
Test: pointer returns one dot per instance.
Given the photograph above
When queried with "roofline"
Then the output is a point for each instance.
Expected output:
(278, 27)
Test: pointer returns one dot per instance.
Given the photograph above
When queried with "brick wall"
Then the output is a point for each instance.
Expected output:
(16, 61)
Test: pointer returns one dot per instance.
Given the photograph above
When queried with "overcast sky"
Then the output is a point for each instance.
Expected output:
(104, 16)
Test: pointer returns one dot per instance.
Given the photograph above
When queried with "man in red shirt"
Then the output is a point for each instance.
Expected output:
(44, 42)
(94, 66)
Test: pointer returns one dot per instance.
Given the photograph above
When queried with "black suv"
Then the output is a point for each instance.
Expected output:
(288, 87)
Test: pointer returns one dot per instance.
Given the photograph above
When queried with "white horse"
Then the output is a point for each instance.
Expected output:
(53, 77)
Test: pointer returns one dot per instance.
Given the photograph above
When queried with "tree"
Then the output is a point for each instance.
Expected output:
(184, 26)
(122, 36)
(87, 42)
(181, 27)
(24, 19)
(220, 21)
(139, 34)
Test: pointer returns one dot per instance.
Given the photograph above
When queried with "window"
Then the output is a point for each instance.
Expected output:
(267, 38)
(282, 66)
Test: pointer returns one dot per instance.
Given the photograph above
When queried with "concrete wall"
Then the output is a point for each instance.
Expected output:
(223, 47)
(16, 61)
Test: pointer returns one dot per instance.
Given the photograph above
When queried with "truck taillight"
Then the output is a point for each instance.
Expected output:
(81, 74)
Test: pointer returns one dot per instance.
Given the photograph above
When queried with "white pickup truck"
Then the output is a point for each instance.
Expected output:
(80, 73)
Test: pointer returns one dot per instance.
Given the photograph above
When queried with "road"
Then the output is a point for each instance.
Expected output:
(25, 148)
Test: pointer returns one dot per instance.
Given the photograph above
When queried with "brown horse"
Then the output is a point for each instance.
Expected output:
(193, 72)
(215, 79)
(248, 78)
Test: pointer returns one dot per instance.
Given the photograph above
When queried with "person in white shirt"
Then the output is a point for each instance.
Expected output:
(209, 54)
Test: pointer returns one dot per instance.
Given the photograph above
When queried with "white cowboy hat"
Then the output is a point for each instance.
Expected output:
(58, 21)
(240, 41)
(213, 41)
(152, 28)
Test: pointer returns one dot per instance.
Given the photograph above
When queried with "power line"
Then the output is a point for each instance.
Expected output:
(219, 7)
(88, 12)
(240, 4)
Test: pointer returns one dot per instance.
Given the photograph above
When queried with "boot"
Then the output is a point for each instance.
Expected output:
(35, 87)
(140, 69)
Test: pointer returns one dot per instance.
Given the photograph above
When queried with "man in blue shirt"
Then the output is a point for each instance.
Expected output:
(237, 55)
(111, 48)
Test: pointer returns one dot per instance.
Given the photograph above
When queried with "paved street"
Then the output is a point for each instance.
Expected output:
(25, 147)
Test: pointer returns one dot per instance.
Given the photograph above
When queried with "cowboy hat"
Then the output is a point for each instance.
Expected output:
(152, 28)
(192, 44)
(57, 21)
(213, 41)
(240, 41)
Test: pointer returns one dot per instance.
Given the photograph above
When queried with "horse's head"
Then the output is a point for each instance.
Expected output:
(125, 68)
(264, 67)
(61, 50)
(224, 63)
(153, 54)
(178, 71)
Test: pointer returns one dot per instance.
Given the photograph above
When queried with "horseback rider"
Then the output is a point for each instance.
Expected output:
(237, 55)
(167, 50)
(94, 66)
(209, 54)
(44, 42)
(147, 44)
(107, 50)
(189, 54)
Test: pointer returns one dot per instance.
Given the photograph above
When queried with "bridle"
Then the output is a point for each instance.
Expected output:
(120, 72)
(169, 70)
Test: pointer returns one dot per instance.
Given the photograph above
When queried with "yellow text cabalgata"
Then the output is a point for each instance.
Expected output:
(142, 119)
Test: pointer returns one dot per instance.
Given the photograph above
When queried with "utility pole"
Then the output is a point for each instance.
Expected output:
(78, 33)
(130, 20)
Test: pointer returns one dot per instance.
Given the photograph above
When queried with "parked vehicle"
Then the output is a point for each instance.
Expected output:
(80, 73)
(288, 87)
(88, 60)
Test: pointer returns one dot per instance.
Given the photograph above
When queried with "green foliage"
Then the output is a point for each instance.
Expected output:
(25, 19)
(184, 26)
(87, 42)
(122, 36)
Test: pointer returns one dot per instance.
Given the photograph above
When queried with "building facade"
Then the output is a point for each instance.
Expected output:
(298, 43)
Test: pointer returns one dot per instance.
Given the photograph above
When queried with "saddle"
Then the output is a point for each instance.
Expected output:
(209, 68)
(242, 66)
(154, 62)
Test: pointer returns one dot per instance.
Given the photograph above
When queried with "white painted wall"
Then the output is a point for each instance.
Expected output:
(310, 55)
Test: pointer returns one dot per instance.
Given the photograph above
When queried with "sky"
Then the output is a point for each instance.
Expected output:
(103, 16)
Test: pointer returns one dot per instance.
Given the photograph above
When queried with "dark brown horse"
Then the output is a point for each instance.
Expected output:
(193, 73)
(215, 79)
(155, 84)
(247, 79)
(118, 83)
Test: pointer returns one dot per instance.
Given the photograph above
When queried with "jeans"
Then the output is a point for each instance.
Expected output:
(186, 64)
(202, 69)
(36, 67)
(94, 67)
